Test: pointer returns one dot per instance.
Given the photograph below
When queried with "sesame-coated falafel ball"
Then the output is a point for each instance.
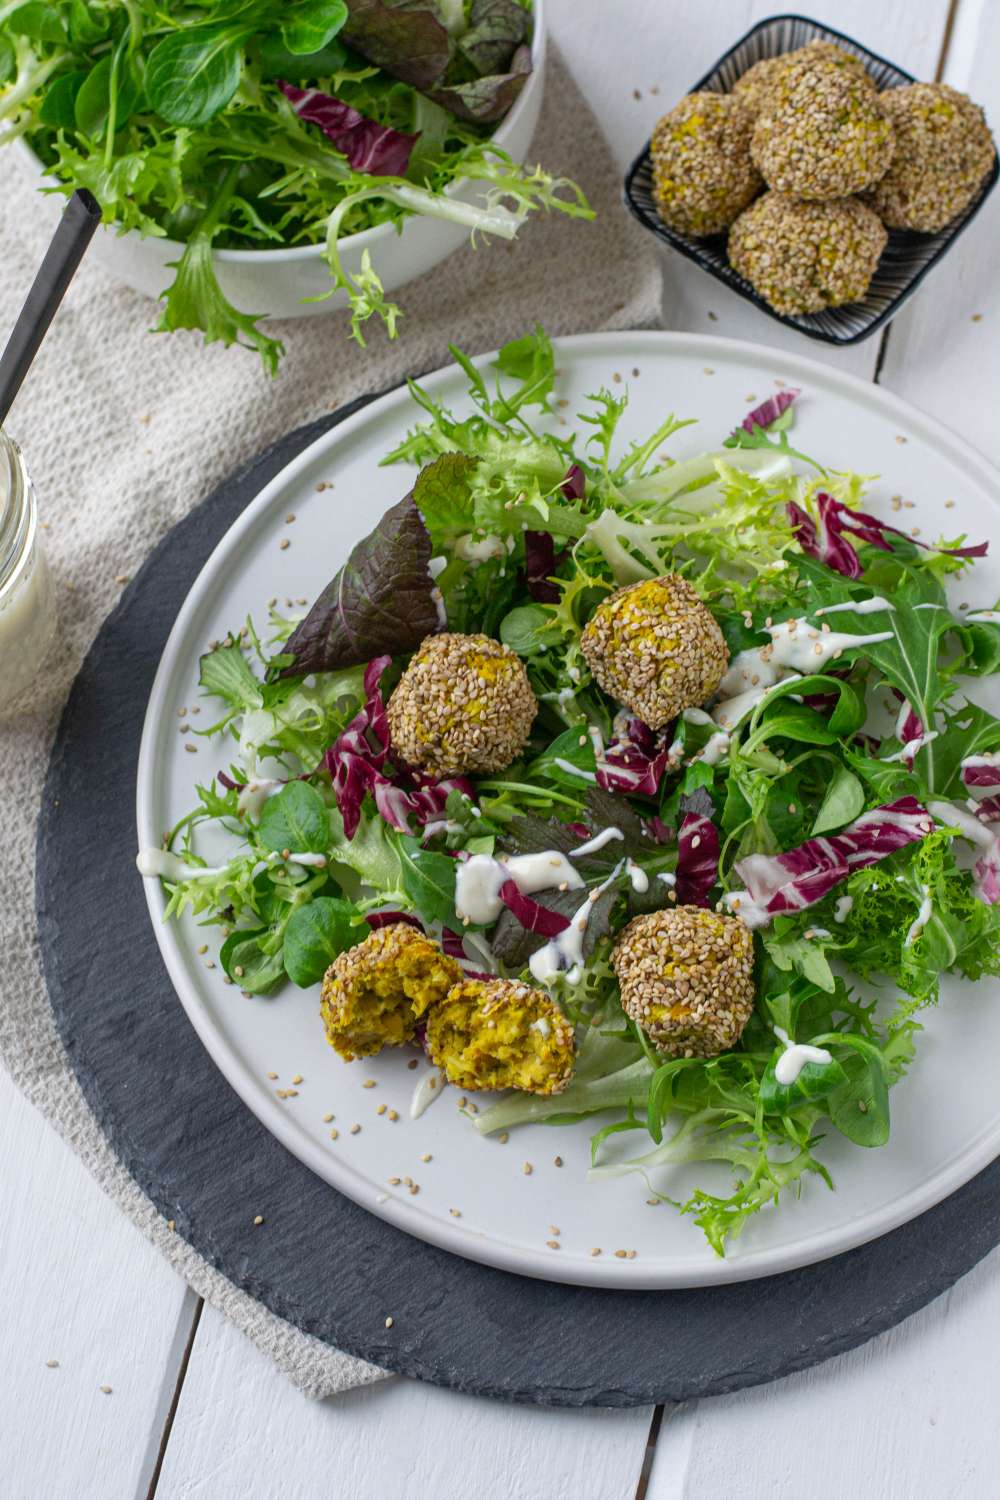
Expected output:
(655, 647)
(686, 977)
(804, 257)
(823, 133)
(463, 704)
(944, 152)
(702, 172)
(753, 88)
(375, 993)
(501, 1034)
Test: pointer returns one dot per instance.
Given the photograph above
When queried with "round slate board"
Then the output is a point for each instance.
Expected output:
(320, 1261)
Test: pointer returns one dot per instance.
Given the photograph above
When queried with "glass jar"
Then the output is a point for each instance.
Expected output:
(27, 594)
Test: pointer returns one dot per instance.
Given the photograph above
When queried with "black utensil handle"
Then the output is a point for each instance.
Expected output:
(69, 243)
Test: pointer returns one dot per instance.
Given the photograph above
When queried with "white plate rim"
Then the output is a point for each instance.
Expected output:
(631, 1275)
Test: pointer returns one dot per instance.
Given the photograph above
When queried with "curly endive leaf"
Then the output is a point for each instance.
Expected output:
(380, 603)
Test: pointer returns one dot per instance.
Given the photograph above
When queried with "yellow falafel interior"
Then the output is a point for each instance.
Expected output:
(501, 1034)
(375, 993)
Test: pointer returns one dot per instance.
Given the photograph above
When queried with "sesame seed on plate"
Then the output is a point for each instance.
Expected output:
(355, 1128)
(327, 1118)
(389, 1322)
(284, 544)
(297, 1078)
(258, 1218)
(527, 1169)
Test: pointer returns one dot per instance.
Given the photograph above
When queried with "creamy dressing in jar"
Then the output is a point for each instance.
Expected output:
(27, 594)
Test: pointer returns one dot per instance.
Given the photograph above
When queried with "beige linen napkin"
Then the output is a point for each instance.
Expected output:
(125, 433)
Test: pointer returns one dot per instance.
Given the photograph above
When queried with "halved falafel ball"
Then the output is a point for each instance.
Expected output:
(944, 152)
(753, 88)
(803, 257)
(375, 993)
(463, 704)
(501, 1034)
(702, 172)
(656, 648)
(686, 977)
(823, 132)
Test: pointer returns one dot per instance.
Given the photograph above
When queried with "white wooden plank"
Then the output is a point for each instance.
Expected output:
(910, 1416)
(241, 1429)
(80, 1286)
(615, 53)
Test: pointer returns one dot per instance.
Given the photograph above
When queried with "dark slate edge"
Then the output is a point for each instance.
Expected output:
(171, 1118)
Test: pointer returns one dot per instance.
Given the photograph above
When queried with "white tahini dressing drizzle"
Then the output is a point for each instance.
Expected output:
(429, 1088)
(564, 954)
(160, 864)
(921, 919)
(742, 905)
(597, 842)
(843, 906)
(984, 617)
(317, 860)
(795, 1056)
(250, 802)
(478, 882)
(637, 876)
(872, 606)
(795, 649)
(989, 758)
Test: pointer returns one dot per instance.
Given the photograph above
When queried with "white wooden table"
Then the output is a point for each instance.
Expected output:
(194, 1410)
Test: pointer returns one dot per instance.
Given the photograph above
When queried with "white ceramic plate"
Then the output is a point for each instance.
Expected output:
(942, 1134)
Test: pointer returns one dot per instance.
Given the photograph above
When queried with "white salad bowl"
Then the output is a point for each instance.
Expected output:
(278, 283)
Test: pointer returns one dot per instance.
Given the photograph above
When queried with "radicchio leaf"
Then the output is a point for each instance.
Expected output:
(981, 770)
(382, 599)
(532, 916)
(540, 557)
(486, 100)
(408, 40)
(634, 761)
(369, 147)
(770, 410)
(453, 947)
(697, 859)
(376, 919)
(828, 540)
(574, 486)
(988, 809)
(802, 876)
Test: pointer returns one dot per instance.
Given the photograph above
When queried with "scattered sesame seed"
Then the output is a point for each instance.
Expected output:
(393, 1181)
(392, 1115)
(596, 1250)
(462, 1102)
(334, 1134)
(284, 544)
(412, 1063)
(203, 948)
(620, 1254)
(239, 971)
(554, 1229)
(327, 1119)
(414, 1188)
(427, 1156)
(527, 1169)
(210, 963)
(297, 1078)
(553, 1244)
(369, 1083)
(191, 749)
(557, 1161)
(52, 1364)
(389, 1322)
(105, 1390)
(355, 1128)
(380, 1110)
(455, 1213)
(258, 1218)
(290, 518)
(708, 370)
(949, 505)
(503, 1137)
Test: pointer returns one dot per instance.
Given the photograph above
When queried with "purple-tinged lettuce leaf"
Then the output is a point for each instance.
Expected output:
(540, 563)
(369, 147)
(769, 411)
(574, 486)
(382, 599)
(804, 875)
(496, 29)
(407, 38)
(485, 100)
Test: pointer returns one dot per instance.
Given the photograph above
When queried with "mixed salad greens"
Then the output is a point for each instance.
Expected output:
(260, 124)
(850, 813)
